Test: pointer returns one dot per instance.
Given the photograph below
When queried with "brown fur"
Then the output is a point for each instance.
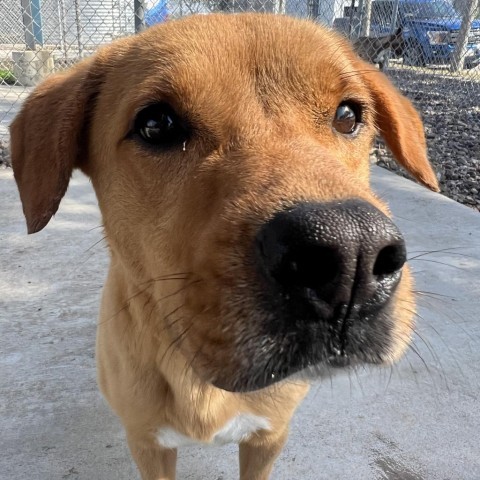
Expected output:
(178, 301)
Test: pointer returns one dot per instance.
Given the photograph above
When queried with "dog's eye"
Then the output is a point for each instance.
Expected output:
(347, 118)
(160, 126)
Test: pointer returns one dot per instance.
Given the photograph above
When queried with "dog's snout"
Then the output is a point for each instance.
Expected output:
(336, 255)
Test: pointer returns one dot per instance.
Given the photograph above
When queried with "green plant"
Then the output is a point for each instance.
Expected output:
(6, 76)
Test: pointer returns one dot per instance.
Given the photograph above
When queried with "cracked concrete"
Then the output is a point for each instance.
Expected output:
(417, 421)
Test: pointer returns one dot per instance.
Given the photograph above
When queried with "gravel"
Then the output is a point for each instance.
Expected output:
(450, 109)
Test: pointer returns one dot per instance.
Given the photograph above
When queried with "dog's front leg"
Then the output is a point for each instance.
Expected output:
(258, 455)
(153, 461)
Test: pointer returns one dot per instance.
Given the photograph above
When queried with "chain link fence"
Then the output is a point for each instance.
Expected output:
(429, 48)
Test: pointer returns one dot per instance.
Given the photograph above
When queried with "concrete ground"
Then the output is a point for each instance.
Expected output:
(419, 420)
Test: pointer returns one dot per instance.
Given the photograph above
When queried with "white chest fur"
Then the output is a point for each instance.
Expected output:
(236, 430)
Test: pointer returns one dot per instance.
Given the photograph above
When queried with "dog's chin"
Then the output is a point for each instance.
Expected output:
(302, 369)
(326, 369)
(307, 353)
(254, 384)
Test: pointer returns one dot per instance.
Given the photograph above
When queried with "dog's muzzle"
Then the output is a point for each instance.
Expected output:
(323, 290)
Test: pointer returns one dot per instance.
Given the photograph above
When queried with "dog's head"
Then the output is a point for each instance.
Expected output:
(230, 156)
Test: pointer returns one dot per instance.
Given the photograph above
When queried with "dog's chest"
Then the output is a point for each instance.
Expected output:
(236, 430)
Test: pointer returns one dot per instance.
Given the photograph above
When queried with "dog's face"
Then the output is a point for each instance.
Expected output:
(230, 157)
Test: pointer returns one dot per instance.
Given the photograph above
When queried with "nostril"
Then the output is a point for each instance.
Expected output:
(308, 267)
(390, 259)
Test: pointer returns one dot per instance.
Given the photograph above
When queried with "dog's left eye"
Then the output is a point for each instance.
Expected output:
(159, 125)
(347, 118)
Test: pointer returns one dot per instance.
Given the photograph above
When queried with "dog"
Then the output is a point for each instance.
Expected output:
(376, 49)
(230, 158)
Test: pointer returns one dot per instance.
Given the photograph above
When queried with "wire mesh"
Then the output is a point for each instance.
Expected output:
(413, 41)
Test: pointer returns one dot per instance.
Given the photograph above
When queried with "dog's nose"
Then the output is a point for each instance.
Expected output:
(339, 256)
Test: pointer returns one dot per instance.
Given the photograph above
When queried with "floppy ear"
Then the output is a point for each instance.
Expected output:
(400, 125)
(49, 139)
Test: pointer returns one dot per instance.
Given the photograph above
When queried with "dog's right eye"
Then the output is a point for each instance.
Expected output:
(158, 125)
(347, 118)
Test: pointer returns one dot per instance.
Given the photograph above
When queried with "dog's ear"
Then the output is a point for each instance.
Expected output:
(49, 139)
(400, 125)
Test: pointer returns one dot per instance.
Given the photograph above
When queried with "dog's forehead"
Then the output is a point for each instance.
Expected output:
(231, 56)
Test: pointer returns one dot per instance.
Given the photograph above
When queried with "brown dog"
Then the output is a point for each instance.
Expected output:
(230, 157)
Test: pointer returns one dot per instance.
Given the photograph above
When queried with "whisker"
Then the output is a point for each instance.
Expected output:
(427, 344)
(457, 364)
(189, 364)
(147, 284)
(95, 244)
(433, 295)
(125, 306)
(95, 228)
(442, 250)
(170, 324)
(355, 371)
(438, 263)
(177, 340)
(170, 295)
(412, 368)
(171, 276)
(412, 347)
(390, 376)
(451, 318)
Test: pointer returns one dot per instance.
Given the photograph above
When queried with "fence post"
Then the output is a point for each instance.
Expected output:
(63, 26)
(458, 57)
(393, 28)
(358, 15)
(393, 21)
(351, 19)
(139, 13)
(28, 24)
(313, 9)
(37, 21)
(367, 14)
(279, 7)
(78, 23)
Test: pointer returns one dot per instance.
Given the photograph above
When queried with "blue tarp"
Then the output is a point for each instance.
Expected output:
(157, 14)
